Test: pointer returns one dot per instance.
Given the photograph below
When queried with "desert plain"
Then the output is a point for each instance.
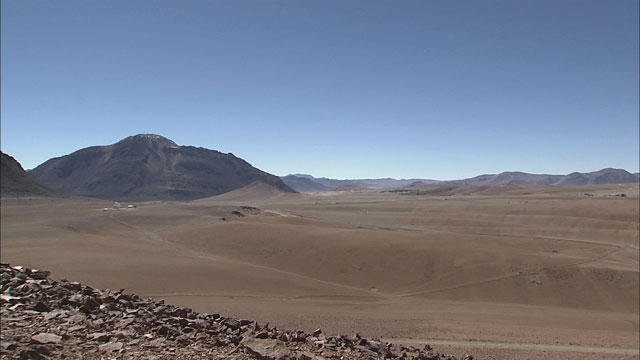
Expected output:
(510, 272)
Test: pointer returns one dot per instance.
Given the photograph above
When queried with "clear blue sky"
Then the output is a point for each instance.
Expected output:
(344, 89)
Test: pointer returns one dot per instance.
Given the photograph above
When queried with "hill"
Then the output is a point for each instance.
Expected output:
(604, 176)
(15, 182)
(255, 191)
(303, 184)
(149, 167)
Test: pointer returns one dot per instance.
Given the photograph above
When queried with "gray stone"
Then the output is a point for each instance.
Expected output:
(124, 323)
(99, 336)
(111, 347)
(46, 338)
(39, 274)
(8, 345)
(53, 314)
(266, 349)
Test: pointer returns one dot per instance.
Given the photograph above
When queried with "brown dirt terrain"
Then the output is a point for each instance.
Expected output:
(42, 318)
(544, 273)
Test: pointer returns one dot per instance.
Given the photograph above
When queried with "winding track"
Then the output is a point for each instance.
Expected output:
(152, 237)
(367, 293)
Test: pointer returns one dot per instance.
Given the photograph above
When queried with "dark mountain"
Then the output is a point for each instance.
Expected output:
(303, 184)
(604, 176)
(15, 182)
(150, 167)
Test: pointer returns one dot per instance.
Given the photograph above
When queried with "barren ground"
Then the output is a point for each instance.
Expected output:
(544, 274)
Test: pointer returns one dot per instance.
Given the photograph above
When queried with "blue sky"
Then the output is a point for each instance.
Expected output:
(343, 89)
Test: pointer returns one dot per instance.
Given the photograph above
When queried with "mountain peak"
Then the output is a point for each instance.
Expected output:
(150, 138)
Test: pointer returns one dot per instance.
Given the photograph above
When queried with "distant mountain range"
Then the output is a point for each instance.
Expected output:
(303, 184)
(308, 183)
(149, 167)
(604, 176)
(15, 182)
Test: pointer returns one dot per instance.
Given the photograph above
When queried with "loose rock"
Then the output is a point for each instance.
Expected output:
(46, 319)
(46, 338)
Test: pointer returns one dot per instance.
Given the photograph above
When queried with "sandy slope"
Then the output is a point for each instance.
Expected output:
(559, 270)
(254, 192)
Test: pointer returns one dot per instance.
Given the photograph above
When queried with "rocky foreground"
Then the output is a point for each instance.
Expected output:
(43, 318)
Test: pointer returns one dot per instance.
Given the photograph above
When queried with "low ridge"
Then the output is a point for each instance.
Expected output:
(257, 190)
(604, 176)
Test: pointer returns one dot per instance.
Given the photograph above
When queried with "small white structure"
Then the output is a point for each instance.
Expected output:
(131, 206)
(116, 205)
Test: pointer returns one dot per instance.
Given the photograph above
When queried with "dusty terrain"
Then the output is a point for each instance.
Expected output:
(42, 318)
(544, 274)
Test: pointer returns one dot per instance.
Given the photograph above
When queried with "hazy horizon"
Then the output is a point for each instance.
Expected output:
(345, 90)
(417, 178)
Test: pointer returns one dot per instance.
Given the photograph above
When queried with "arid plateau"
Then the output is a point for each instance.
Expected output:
(523, 272)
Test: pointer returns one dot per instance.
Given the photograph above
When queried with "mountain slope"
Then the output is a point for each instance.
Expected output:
(303, 184)
(604, 176)
(256, 191)
(150, 167)
(15, 182)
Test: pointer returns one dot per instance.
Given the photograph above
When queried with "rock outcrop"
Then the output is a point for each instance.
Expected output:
(49, 319)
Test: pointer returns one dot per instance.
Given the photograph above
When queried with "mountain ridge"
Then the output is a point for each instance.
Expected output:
(603, 176)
